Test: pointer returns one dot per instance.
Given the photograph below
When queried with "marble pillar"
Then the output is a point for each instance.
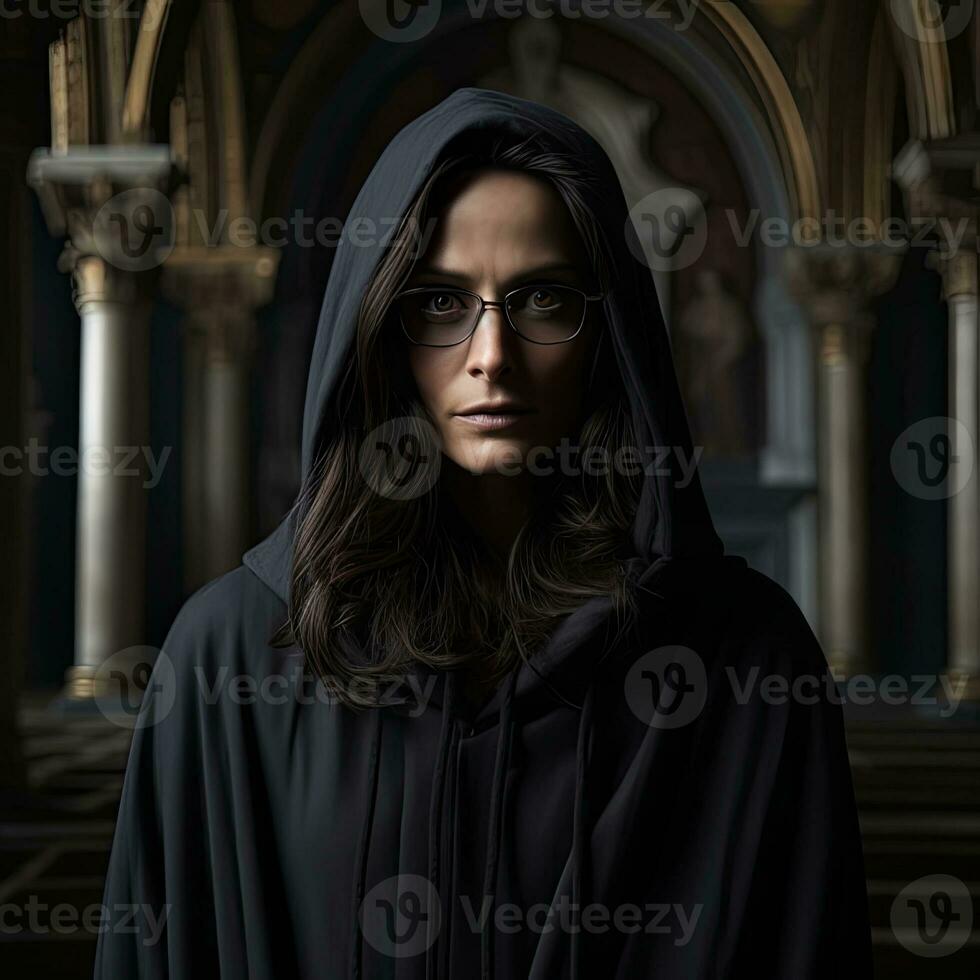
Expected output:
(220, 288)
(836, 286)
(110, 558)
(940, 179)
(110, 204)
(959, 272)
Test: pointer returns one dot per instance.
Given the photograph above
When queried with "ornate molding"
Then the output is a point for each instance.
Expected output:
(774, 91)
(925, 66)
(880, 97)
(959, 272)
(220, 288)
(79, 190)
(837, 283)
(139, 84)
(941, 182)
(68, 76)
(85, 177)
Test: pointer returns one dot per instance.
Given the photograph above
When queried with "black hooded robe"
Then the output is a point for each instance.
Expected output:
(636, 806)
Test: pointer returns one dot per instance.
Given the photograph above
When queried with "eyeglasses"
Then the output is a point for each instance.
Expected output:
(544, 313)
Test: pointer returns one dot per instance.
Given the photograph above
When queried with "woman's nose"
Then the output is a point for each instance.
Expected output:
(489, 352)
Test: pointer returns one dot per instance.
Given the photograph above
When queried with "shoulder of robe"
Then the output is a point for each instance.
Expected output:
(764, 626)
(225, 623)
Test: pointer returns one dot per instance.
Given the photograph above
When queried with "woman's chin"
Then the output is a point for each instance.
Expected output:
(483, 455)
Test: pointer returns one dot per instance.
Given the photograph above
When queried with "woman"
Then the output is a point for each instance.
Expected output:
(544, 741)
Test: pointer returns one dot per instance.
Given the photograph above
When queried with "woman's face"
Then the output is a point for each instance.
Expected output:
(498, 231)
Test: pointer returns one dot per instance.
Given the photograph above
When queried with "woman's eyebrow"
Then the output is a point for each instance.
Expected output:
(435, 270)
(535, 273)
(545, 270)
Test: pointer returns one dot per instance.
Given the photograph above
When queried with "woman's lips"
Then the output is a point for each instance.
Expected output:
(495, 420)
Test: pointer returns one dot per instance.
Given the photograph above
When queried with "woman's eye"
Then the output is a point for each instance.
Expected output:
(544, 299)
(440, 303)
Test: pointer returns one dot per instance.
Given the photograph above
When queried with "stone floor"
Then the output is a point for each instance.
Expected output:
(54, 843)
(917, 781)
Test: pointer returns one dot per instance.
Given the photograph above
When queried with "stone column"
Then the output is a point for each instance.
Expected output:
(835, 286)
(959, 272)
(220, 288)
(111, 529)
(107, 201)
(940, 179)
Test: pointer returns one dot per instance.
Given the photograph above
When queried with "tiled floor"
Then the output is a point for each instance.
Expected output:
(54, 843)
(918, 789)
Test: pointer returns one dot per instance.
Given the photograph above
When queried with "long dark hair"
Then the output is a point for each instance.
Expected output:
(384, 583)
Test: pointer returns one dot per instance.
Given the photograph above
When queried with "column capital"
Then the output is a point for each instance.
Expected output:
(941, 181)
(111, 204)
(959, 272)
(97, 282)
(88, 176)
(836, 285)
(837, 282)
(220, 287)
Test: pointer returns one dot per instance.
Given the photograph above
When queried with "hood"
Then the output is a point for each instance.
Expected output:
(672, 519)
(671, 530)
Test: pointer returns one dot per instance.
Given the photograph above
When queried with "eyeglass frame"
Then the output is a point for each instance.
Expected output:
(484, 303)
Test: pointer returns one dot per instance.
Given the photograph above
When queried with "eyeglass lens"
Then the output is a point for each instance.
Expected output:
(442, 317)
